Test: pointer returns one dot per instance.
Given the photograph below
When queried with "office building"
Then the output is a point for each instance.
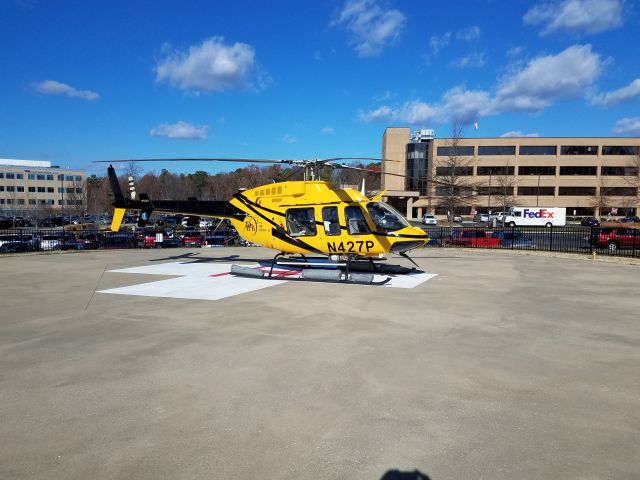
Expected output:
(459, 176)
(30, 184)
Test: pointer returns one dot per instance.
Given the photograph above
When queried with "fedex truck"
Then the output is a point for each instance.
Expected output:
(536, 216)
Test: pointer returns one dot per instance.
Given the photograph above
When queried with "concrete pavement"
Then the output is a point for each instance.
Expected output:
(503, 366)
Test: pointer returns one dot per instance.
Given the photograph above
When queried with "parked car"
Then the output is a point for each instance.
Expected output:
(473, 238)
(589, 222)
(511, 239)
(191, 238)
(19, 242)
(118, 240)
(428, 219)
(88, 241)
(497, 216)
(6, 222)
(614, 239)
(58, 241)
(481, 217)
(630, 219)
(159, 239)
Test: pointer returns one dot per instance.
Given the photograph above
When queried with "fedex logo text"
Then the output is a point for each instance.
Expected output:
(542, 213)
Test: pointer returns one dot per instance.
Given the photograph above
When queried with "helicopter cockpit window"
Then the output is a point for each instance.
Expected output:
(330, 221)
(301, 221)
(385, 217)
(356, 223)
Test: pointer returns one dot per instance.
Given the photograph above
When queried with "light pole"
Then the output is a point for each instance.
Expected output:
(538, 194)
(489, 200)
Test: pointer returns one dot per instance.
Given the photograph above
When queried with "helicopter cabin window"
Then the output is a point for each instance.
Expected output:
(356, 223)
(385, 217)
(301, 222)
(330, 221)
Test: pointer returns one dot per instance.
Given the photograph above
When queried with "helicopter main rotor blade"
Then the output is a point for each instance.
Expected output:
(238, 160)
(324, 160)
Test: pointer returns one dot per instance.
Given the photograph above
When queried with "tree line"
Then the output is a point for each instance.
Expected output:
(219, 186)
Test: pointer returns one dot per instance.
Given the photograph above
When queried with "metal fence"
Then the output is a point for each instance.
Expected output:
(38, 239)
(619, 241)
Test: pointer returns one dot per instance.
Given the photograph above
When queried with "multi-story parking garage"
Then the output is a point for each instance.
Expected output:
(588, 176)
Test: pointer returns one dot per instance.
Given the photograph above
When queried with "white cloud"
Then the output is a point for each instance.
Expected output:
(518, 134)
(616, 97)
(289, 138)
(627, 126)
(456, 104)
(469, 35)
(544, 79)
(514, 52)
(328, 131)
(577, 16)
(52, 87)
(473, 60)
(212, 66)
(371, 27)
(437, 43)
(180, 130)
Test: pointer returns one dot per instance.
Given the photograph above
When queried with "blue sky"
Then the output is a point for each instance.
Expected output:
(86, 80)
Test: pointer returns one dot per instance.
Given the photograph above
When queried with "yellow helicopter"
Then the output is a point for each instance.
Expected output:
(294, 217)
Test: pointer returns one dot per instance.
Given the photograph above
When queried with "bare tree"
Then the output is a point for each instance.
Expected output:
(505, 187)
(454, 185)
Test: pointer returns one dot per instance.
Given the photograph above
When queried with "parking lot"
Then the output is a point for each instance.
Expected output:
(501, 366)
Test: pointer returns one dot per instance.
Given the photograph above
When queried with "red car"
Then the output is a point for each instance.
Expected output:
(473, 238)
(615, 238)
(192, 238)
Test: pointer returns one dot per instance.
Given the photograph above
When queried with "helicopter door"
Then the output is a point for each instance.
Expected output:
(301, 222)
(330, 221)
(356, 223)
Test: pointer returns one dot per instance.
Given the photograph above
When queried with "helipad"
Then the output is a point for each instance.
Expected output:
(500, 366)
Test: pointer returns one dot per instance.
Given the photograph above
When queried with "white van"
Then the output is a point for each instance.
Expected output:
(536, 217)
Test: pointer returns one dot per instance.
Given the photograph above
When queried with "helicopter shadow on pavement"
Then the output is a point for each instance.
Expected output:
(399, 475)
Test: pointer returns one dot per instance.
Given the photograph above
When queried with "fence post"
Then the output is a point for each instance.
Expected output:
(551, 238)
(591, 241)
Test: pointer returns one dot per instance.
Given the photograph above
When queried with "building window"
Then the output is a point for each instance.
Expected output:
(32, 189)
(454, 171)
(32, 201)
(20, 189)
(497, 150)
(60, 177)
(49, 177)
(459, 151)
(49, 189)
(577, 191)
(20, 201)
(10, 188)
(538, 150)
(19, 176)
(535, 191)
(619, 171)
(301, 221)
(619, 150)
(591, 171)
(41, 189)
(495, 191)
(10, 176)
(60, 190)
(482, 171)
(40, 176)
(48, 202)
(619, 191)
(579, 150)
(78, 178)
(1, 175)
(1, 188)
(531, 170)
(31, 176)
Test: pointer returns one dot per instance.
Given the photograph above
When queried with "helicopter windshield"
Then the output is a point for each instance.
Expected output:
(385, 217)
